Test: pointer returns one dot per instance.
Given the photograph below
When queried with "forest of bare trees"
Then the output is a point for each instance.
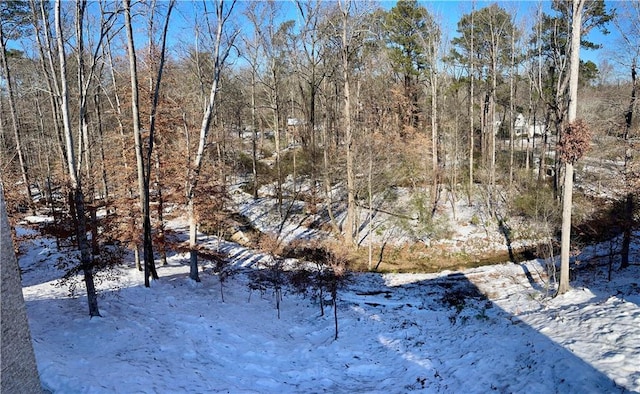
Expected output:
(114, 114)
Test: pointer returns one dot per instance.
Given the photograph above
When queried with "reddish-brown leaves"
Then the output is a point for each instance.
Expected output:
(574, 142)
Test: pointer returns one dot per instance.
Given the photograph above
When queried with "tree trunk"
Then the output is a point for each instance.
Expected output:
(144, 163)
(193, 242)
(565, 245)
(46, 145)
(326, 165)
(351, 204)
(84, 152)
(103, 165)
(143, 184)
(567, 195)
(194, 176)
(628, 221)
(311, 127)
(492, 116)
(254, 134)
(136, 256)
(161, 228)
(149, 261)
(86, 260)
(19, 369)
(276, 123)
(124, 144)
(471, 114)
(434, 142)
(511, 110)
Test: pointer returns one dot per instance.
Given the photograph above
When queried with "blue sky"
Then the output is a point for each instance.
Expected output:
(446, 12)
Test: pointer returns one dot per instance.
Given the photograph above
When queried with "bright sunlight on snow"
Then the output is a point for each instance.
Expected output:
(488, 329)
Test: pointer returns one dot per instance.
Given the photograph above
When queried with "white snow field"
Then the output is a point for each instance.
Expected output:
(489, 329)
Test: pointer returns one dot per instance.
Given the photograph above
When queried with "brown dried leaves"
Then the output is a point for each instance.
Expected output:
(574, 142)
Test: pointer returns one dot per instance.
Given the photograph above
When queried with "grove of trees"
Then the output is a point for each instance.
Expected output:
(113, 113)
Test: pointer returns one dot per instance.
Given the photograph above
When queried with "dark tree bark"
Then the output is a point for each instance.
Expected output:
(629, 205)
(144, 162)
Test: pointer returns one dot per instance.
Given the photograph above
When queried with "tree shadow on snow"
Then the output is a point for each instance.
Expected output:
(445, 333)
(464, 342)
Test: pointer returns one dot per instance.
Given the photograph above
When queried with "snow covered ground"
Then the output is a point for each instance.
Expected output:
(476, 331)
(468, 229)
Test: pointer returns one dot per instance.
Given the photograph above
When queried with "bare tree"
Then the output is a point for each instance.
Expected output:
(144, 159)
(628, 24)
(254, 49)
(14, 119)
(137, 135)
(346, 41)
(311, 46)
(431, 46)
(152, 128)
(492, 28)
(472, 131)
(113, 95)
(219, 57)
(86, 259)
(567, 199)
(273, 44)
(43, 39)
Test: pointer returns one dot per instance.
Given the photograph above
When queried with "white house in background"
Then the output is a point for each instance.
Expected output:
(523, 126)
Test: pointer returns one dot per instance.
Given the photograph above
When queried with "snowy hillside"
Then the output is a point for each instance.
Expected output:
(481, 330)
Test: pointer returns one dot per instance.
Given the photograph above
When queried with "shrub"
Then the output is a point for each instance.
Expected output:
(537, 204)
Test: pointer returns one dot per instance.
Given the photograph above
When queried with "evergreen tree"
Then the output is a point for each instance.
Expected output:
(407, 23)
(486, 36)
